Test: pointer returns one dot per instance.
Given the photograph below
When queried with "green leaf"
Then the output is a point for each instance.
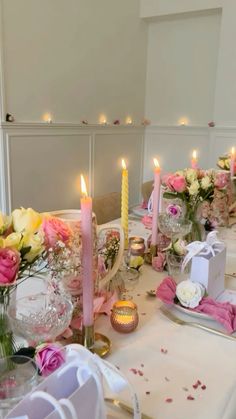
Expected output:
(170, 195)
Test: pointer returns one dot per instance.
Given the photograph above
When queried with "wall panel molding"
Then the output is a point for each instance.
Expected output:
(22, 171)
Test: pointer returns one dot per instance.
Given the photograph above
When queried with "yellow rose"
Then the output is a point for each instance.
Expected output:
(136, 262)
(5, 222)
(35, 242)
(26, 220)
(13, 240)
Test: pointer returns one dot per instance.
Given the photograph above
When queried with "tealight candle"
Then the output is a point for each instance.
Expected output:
(124, 316)
(129, 121)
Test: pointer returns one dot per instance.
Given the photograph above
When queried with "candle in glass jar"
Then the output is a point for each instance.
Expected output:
(87, 255)
(232, 161)
(194, 160)
(124, 316)
(156, 198)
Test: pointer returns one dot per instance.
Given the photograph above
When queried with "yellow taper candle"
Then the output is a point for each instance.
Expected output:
(125, 202)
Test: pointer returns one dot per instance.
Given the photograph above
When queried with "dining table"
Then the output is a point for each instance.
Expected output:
(177, 371)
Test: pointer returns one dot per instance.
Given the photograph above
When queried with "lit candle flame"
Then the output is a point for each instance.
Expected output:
(103, 119)
(128, 121)
(194, 155)
(232, 151)
(156, 163)
(123, 164)
(83, 186)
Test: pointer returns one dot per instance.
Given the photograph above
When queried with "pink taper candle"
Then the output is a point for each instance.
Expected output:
(87, 255)
(156, 198)
(194, 161)
(232, 161)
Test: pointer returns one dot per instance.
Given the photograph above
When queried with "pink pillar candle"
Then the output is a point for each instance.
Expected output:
(232, 162)
(87, 258)
(156, 198)
(194, 160)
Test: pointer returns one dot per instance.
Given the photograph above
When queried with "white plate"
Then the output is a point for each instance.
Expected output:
(139, 211)
(192, 313)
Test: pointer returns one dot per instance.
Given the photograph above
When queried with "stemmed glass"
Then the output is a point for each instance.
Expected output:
(18, 376)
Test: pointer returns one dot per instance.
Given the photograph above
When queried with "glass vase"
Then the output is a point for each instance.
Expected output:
(7, 344)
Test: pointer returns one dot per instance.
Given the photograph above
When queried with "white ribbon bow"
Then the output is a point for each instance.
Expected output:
(211, 246)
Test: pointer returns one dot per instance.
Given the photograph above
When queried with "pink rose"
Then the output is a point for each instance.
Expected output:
(55, 230)
(167, 180)
(178, 183)
(167, 290)
(159, 261)
(9, 265)
(221, 180)
(49, 357)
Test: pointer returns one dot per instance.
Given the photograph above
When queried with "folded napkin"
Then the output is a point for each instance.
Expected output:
(224, 313)
(147, 221)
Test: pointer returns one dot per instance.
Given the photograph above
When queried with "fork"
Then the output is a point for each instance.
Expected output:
(181, 322)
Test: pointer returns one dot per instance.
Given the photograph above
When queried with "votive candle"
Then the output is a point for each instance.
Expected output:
(87, 255)
(156, 198)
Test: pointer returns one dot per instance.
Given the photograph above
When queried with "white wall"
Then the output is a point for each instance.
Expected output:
(74, 58)
(181, 69)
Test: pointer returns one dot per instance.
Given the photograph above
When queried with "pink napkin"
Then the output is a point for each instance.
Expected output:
(224, 313)
(147, 221)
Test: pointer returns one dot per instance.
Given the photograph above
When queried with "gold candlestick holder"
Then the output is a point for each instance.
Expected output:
(95, 342)
(152, 252)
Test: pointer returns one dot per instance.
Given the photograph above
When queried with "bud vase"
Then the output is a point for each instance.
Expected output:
(7, 344)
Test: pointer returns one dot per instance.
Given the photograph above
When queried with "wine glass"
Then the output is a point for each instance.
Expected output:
(40, 317)
(172, 227)
(18, 376)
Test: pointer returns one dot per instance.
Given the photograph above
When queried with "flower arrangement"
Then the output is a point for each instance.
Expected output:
(193, 187)
(192, 296)
(107, 251)
(25, 239)
(224, 163)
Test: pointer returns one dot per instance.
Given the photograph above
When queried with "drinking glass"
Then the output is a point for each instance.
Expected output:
(174, 266)
(18, 376)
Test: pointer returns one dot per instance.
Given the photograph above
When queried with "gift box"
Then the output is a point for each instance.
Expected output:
(208, 264)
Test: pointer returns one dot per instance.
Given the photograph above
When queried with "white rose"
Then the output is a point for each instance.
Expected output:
(194, 188)
(26, 220)
(189, 293)
(191, 175)
(205, 182)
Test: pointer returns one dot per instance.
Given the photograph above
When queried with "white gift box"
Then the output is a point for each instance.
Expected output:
(208, 264)
(209, 271)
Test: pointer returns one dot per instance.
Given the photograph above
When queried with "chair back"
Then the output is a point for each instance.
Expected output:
(107, 207)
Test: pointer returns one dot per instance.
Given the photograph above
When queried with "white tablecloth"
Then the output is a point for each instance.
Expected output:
(170, 359)
(173, 358)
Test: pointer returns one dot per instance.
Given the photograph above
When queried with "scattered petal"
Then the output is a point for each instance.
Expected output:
(190, 397)
(199, 382)
(169, 400)
(117, 367)
(147, 392)
(167, 379)
(142, 365)
(164, 351)
(133, 370)
(203, 387)
(140, 373)
(195, 386)
(143, 314)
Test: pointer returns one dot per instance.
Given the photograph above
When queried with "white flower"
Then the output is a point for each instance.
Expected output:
(191, 175)
(189, 293)
(194, 188)
(180, 247)
(206, 182)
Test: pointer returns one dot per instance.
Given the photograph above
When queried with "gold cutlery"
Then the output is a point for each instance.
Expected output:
(125, 407)
(181, 322)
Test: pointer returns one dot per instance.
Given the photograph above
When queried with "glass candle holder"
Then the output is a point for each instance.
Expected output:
(124, 316)
(136, 252)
